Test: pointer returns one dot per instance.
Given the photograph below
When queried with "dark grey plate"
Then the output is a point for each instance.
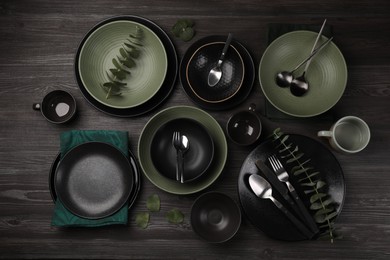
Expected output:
(94, 180)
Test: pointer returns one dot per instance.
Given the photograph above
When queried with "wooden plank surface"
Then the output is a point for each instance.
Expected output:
(38, 42)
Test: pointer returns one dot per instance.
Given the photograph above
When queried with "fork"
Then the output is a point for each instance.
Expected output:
(283, 176)
(176, 142)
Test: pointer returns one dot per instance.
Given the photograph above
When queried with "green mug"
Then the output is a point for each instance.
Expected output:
(349, 134)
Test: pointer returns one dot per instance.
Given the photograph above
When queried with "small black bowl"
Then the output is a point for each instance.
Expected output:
(200, 64)
(197, 159)
(215, 217)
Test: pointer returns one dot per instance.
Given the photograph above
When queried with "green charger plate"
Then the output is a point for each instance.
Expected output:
(103, 44)
(145, 143)
(327, 74)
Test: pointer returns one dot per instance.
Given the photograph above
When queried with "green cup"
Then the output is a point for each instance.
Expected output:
(349, 135)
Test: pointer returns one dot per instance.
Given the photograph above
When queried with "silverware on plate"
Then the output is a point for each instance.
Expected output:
(283, 176)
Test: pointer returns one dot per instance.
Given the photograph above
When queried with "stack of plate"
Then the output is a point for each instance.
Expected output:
(151, 79)
(155, 142)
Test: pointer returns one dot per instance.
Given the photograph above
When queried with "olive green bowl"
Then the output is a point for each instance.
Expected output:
(103, 45)
(167, 184)
(327, 74)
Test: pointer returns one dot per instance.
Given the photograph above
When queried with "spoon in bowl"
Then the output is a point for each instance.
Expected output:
(284, 78)
(215, 73)
(262, 189)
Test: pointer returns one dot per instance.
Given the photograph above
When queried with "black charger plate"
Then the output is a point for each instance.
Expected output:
(161, 94)
(247, 83)
(262, 213)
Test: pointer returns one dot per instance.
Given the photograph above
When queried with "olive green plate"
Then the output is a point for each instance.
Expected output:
(145, 143)
(327, 74)
(103, 44)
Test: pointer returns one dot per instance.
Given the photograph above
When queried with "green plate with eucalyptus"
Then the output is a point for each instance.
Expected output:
(327, 74)
(145, 143)
(143, 65)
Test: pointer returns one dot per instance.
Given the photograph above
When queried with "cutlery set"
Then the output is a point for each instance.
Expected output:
(278, 180)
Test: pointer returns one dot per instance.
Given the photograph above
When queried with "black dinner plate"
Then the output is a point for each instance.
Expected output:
(161, 94)
(196, 160)
(134, 165)
(262, 213)
(94, 180)
(247, 83)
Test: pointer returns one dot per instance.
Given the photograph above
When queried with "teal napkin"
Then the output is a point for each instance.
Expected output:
(274, 31)
(62, 217)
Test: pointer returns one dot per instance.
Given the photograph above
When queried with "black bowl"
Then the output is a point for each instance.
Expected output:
(200, 64)
(197, 159)
(215, 217)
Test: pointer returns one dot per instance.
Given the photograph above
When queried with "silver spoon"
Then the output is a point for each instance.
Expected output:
(263, 189)
(215, 73)
(184, 146)
(284, 78)
(299, 86)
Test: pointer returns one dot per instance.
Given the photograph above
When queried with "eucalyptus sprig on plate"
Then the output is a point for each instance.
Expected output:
(125, 60)
(321, 204)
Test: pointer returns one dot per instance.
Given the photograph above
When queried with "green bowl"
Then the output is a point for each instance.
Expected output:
(145, 144)
(327, 74)
(98, 51)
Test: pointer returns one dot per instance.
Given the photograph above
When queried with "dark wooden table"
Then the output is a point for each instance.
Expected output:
(38, 42)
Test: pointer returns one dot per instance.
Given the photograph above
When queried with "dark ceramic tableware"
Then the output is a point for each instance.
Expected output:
(245, 87)
(94, 180)
(134, 165)
(197, 159)
(160, 95)
(215, 217)
(57, 106)
(263, 214)
(244, 127)
(203, 60)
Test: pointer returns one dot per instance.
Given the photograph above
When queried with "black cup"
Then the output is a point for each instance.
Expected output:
(57, 106)
(244, 127)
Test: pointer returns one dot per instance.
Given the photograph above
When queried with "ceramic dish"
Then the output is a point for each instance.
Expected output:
(327, 74)
(196, 160)
(229, 97)
(94, 180)
(200, 64)
(134, 165)
(215, 217)
(262, 213)
(96, 60)
(162, 93)
(145, 144)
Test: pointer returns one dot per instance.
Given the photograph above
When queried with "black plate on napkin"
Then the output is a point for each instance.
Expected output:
(262, 213)
(161, 94)
(94, 180)
(134, 165)
(247, 83)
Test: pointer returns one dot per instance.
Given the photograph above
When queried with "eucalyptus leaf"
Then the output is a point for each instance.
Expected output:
(183, 29)
(320, 205)
(142, 219)
(187, 34)
(124, 53)
(175, 216)
(295, 158)
(119, 74)
(317, 197)
(320, 184)
(153, 203)
(311, 175)
(116, 64)
(129, 63)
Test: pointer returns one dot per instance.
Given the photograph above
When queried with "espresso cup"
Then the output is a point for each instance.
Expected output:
(349, 134)
(244, 127)
(57, 106)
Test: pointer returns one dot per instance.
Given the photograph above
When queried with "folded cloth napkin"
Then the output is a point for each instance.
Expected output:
(274, 31)
(62, 217)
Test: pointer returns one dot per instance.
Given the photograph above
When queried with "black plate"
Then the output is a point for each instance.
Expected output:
(262, 213)
(94, 180)
(196, 160)
(161, 94)
(134, 165)
(247, 84)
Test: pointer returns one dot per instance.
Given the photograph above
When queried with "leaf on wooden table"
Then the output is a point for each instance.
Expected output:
(153, 203)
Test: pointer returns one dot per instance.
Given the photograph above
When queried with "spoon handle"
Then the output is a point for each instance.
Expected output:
(227, 44)
(302, 228)
(315, 44)
(312, 55)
